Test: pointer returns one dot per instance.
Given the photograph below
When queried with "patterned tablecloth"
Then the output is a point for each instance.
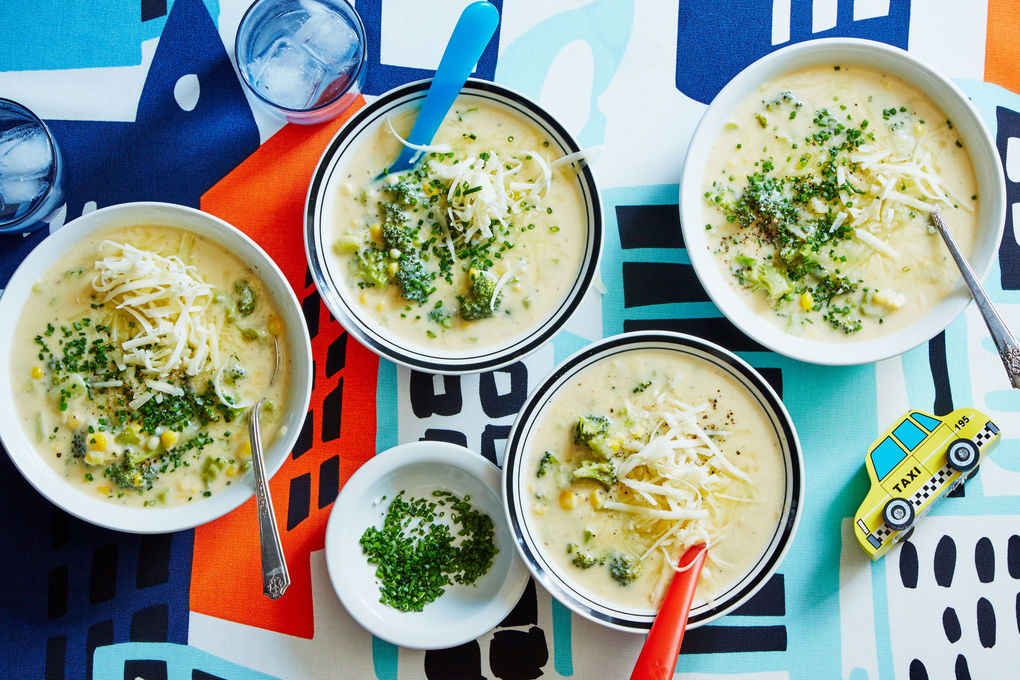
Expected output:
(145, 101)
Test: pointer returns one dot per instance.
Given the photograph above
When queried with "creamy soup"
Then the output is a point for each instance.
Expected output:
(643, 455)
(478, 244)
(137, 358)
(818, 193)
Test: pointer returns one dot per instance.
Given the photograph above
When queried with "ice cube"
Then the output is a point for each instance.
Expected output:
(24, 152)
(287, 76)
(17, 190)
(329, 38)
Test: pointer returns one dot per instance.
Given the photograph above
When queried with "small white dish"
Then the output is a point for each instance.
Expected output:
(881, 57)
(20, 446)
(462, 613)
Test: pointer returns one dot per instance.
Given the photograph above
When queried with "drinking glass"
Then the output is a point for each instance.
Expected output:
(303, 59)
(32, 172)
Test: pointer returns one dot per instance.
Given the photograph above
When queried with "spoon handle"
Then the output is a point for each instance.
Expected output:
(657, 660)
(472, 33)
(1005, 342)
(275, 577)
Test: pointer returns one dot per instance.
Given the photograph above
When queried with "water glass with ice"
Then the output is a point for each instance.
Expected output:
(304, 59)
(31, 170)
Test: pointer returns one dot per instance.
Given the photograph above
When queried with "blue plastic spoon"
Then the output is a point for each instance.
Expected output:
(472, 33)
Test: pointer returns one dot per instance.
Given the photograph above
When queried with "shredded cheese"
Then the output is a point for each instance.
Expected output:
(672, 480)
(167, 299)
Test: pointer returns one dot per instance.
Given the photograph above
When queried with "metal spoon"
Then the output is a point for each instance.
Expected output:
(1005, 342)
(275, 577)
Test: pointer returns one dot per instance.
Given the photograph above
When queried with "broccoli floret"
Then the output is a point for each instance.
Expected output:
(603, 472)
(78, 445)
(584, 560)
(623, 569)
(395, 234)
(244, 298)
(588, 428)
(414, 280)
(440, 316)
(548, 460)
(408, 190)
(127, 476)
(479, 303)
(372, 267)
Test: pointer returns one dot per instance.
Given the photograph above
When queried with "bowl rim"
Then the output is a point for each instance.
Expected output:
(945, 94)
(392, 346)
(786, 528)
(18, 444)
(420, 631)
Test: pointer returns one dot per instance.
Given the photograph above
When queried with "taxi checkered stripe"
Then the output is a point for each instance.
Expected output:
(982, 437)
(932, 486)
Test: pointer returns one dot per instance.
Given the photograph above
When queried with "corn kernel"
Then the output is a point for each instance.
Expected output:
(393, 267)
(97, 442)
(538, 510)
(806, 301)
(73, 421)
(36, 372)
(245, 450)
(376, 231)
(168, 438)
(595, 498)
(274, 325)
(231, 470)
(568, 499)
(105, 490)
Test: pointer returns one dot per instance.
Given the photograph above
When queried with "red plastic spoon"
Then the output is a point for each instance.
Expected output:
(658, 655)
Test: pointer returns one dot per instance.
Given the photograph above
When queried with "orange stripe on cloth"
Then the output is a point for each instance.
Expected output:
(1002, 48)
(265, 197)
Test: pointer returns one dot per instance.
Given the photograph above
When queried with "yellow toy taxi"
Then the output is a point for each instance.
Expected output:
(912, 466)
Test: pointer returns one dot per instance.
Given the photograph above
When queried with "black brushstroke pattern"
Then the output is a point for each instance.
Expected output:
(1008, 125)
(939, 364)
(649, 226)
(660, 283)
(103, 574)
(1013, 556)
(908, 565)
(951, 625)
(299, 500)
(944, 563)
(984, 560)
(918, 671)
(459, 663)
(986, 623)
(518, 655)
(962, 670)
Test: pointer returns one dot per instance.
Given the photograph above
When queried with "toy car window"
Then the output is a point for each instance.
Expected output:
(927, 423)
(909, 434)
(886, 456)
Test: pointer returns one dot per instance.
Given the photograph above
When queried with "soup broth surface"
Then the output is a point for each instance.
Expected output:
(138, 355)
(476, 246)
(620, 556)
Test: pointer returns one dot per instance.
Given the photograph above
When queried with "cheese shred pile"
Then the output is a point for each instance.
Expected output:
(167, 301)
(673, 484)
(898, 184)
